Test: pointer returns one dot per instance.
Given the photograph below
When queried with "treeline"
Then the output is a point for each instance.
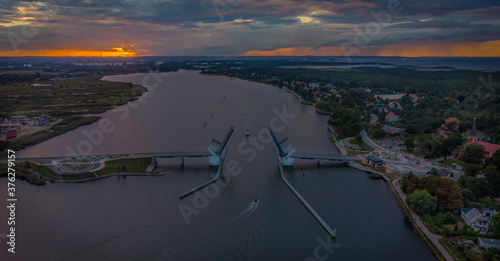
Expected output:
(441, 84)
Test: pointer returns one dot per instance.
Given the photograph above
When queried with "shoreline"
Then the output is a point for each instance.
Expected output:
(434, 249)
(133, 174)
(77, 118)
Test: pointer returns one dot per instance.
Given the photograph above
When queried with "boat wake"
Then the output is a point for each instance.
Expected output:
(249, 209)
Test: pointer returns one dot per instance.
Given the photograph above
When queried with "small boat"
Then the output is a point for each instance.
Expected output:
(334, 233)
(255, 201)
(247, 133)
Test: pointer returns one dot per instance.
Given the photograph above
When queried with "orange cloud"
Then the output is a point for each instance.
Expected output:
(442, 49)
(297, 51)
(405, 49)
(113, 52)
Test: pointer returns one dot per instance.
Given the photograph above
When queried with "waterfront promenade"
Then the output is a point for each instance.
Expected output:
(433, 237)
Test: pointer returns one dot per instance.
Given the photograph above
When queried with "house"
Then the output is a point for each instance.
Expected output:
(375, 161)
(414, 98)
(394, 104)
(38, 121)
(391, 129)
(21, 119)
(489, 243)
(451, 120)
(477, 219)
(5, 127)
(443, 172)
(389, 96)
(391, 116)
(444, 133)
(489, 148)
(314, 85)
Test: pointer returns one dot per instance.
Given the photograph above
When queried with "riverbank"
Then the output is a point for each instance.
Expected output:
(136, 166)
(430, 239)
(69, 100)
(66, 124)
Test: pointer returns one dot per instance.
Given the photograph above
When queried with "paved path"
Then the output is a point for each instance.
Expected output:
(348, 144)
(433, 237)
(374, 119)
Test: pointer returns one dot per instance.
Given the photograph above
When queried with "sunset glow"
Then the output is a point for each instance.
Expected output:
(250, 28)
(403, 49)
(113, 52)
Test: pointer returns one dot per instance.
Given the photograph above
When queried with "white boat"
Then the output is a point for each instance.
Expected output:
(247, 133)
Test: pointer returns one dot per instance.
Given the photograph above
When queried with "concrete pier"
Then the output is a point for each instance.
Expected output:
(193, 190)
(303, 200)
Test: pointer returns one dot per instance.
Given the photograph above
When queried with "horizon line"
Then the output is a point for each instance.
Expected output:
(227, 56)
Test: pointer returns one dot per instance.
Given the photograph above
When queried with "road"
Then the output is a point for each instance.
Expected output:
(370, 143)
(433, 237)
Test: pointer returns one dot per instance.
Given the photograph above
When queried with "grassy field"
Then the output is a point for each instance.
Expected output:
(362, 144)
(83, 95)
(132, 165)
(63, 99)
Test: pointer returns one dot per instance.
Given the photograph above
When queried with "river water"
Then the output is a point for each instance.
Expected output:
(139, 218)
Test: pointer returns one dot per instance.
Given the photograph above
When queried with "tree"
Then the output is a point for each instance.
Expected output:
(449, 194)
(496, 224)
(468, 195)
(404, 181)
(412, 184)
(378, 133)
(473, 153)
(430, 184)
(422, 202)
(493, 176)
(472, 169)
(451, 126)
(410, 144)
(480, 187)
(494, 160)
(428, 148)
(359, 138)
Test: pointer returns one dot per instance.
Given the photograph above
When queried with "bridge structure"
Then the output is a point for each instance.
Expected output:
(215, 158)
(287, 156)
(214, 155)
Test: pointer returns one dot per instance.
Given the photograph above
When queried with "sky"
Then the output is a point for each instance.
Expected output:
(408, 28)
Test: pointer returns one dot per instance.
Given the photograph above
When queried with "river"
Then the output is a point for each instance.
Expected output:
(139, 218)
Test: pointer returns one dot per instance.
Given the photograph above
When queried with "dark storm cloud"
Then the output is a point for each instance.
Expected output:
(199, 27)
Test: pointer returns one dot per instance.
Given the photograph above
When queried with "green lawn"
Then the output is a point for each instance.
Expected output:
(362, 144)
(132, 165)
